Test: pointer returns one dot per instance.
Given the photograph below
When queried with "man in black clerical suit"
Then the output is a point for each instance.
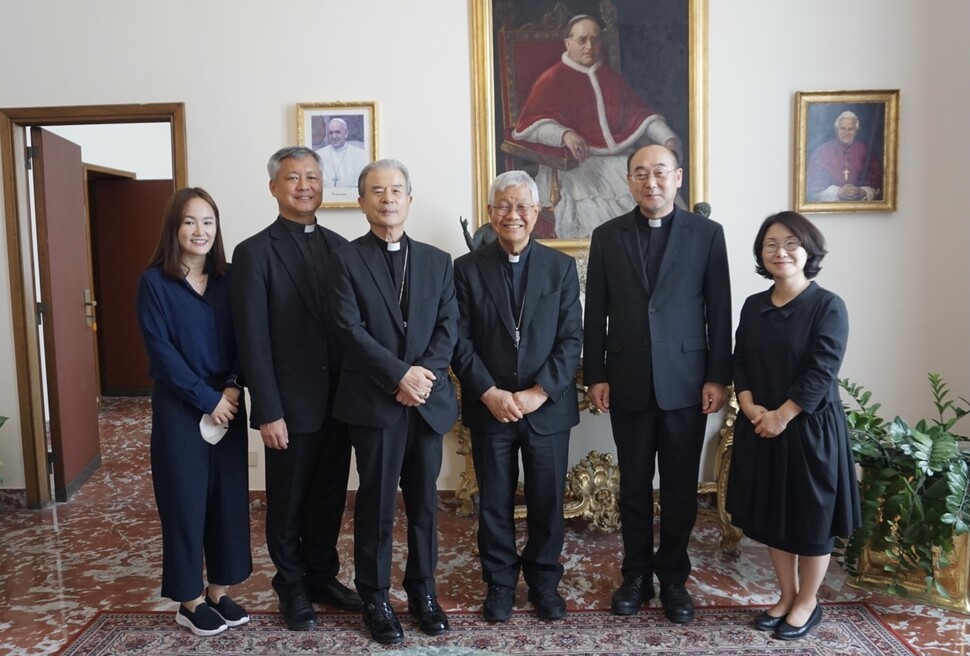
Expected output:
(291, 360)
(657, 356)
(520, 333)
(394, 305)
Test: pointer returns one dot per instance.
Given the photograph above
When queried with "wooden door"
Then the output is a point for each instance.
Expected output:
(126, 216)
(67, 307)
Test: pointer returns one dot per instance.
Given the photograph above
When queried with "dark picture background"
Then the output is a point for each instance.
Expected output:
(821, 125)
(654, 55)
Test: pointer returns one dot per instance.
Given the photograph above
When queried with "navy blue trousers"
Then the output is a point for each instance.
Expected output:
(202, 495)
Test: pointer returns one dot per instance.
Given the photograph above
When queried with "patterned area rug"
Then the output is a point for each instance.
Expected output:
(846, 630)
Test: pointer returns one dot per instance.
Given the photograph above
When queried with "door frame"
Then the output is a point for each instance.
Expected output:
(20, 261)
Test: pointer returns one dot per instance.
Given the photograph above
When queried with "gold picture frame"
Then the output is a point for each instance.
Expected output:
(839, 168)
(341, 167)
(490, 17)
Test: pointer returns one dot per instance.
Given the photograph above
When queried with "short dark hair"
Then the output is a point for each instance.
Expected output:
(813, 241)
(167, 252)
(629, 158)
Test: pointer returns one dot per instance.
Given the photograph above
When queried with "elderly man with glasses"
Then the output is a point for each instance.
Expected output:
(519, 338)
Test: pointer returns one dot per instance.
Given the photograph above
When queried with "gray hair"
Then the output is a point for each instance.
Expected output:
(383, 164)
(290, 152)
(512, 179)
(848, 114)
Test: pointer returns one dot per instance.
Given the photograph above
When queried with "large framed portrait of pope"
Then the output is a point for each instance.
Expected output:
(566, 90)
(845, 151)
(344, 135)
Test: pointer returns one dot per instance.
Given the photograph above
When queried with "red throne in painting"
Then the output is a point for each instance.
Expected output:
(525, 53)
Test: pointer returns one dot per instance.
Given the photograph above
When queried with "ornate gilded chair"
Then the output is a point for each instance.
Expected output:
(593, 484)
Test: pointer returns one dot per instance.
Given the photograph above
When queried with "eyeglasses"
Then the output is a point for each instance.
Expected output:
(790, 244)
(659, 175)
(521, 210)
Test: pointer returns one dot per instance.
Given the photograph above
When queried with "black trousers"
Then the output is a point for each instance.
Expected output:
(306, 494)
(544, 459)
(671, 440)
(409, 454)
(202, 495)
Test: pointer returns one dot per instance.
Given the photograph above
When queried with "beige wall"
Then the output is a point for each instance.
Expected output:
(241, 66)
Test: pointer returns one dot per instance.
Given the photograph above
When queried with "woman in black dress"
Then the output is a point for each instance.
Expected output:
(200, 475)
(792, 484)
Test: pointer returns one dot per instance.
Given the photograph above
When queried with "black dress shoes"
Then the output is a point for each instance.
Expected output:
(766, 622)
(678, 606)
(630, 596)
(498, 603)
(382, 623)
(549, 605)
(336, 594)
(786, 631)
(431, 619)
(296, 608)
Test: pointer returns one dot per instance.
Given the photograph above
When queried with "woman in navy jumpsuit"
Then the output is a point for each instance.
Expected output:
(201, 488)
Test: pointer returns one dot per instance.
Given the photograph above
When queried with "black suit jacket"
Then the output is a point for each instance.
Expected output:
(379, 348)
(550, 343)
(287, 344)
(673, 338)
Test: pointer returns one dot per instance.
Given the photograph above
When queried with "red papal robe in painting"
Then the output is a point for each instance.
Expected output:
(599, 105)
(833, 165)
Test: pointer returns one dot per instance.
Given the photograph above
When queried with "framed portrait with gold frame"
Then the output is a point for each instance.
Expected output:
(344, 134)
(649, 65)
(845, 151)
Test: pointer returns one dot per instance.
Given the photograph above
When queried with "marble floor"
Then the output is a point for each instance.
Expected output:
(102, 551)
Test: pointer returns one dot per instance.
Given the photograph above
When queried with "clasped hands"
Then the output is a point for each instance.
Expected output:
(769, 423)
(226, 408)
(509, 406)
(851, 192)
(415, 388)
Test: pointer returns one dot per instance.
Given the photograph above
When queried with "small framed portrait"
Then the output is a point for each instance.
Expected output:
(845, 151)
(344, 134)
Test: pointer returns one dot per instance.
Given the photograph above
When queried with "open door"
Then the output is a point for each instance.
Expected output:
(67, 306)
(126, 216)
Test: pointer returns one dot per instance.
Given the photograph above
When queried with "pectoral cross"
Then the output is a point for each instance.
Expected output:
(518, 335)
(845, 172)
(336, 176)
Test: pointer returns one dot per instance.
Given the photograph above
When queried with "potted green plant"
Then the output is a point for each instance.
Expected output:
(915, 494)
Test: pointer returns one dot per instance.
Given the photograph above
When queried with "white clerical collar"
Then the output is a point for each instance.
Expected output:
(654, 223)
(514, 257)
(310, 228)
(586, 70)
(393, 246)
